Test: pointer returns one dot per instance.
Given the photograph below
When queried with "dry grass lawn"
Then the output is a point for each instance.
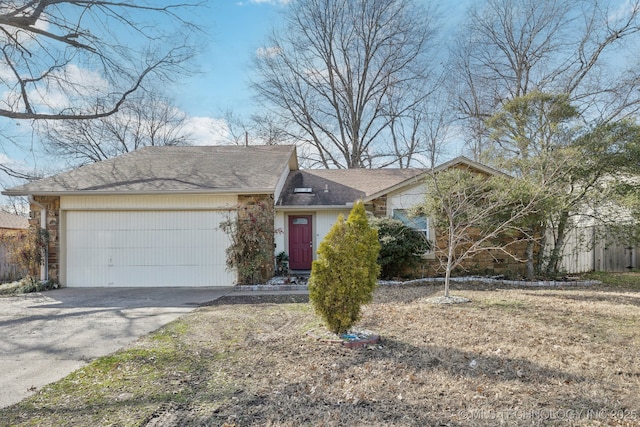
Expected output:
(512, 356)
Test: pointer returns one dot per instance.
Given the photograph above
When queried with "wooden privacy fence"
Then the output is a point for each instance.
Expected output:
(9, 271)
(594, 249)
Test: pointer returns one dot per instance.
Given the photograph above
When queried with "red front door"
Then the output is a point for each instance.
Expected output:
(300, 242)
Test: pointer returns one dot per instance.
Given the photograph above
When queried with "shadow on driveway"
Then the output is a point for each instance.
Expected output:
(45, 336)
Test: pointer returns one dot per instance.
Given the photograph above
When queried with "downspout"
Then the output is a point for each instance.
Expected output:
(44, 267)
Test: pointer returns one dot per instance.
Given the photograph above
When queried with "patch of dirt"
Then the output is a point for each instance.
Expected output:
(171, 416)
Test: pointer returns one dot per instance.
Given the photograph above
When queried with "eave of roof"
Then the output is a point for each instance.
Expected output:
(346, 206)
(141, 193)
(410, 181)
(463, 160)
(460, 160)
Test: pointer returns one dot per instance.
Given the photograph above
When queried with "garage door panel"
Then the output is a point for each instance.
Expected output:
(146, 248)
(131, 276)
(92, 265)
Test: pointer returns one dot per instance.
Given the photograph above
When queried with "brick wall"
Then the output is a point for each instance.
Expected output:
(493, 262)
(378, 207)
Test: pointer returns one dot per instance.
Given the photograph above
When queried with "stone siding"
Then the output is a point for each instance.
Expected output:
(490, 262)
(52, 205)
(378, 207)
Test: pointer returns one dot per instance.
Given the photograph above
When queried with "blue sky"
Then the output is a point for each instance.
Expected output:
(236, 29)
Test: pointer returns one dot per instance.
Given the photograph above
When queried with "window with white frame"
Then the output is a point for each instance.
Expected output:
(419, 223)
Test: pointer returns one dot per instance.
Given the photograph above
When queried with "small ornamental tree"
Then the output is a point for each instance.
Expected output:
(345, 274)
(477, 213)
(29, 250)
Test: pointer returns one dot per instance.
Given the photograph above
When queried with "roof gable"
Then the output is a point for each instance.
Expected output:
(207, 169)
(339, 187)
(465, 162)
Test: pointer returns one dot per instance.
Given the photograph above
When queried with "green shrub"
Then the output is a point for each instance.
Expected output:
(401, 246)
(345, 274)
(282, 264)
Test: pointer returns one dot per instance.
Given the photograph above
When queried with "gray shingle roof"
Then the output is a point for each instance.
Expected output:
(337, 187)
(210, 169)
(12, 221)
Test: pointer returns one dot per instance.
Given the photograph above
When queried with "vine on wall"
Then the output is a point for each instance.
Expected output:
(252, 239)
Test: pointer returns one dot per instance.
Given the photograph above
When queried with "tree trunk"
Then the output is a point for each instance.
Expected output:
(533, 262)
(554, 260)
(542, 231)
(447, 276)
(450, 261)
(529, 256)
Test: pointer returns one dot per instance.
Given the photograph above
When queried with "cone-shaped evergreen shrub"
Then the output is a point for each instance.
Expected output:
(345, 274)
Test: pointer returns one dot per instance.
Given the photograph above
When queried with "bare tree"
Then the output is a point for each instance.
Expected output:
(257, 129)
(475, 213)
(417, 137)
(16, 205)
(81, 59)
(509, 48)
(144, 119)
(341, 71)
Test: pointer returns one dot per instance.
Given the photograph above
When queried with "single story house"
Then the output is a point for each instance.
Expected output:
(151, 217)
(312, 200)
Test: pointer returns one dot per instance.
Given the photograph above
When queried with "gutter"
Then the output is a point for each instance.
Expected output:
(346, 206)
(44, 267)
(225, 192)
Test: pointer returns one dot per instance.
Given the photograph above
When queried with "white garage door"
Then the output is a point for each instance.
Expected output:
(146, 248)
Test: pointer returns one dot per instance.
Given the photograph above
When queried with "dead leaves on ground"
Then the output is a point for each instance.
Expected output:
(510, 357)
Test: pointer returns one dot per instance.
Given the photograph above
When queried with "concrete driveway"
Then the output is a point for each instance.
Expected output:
(45, 336)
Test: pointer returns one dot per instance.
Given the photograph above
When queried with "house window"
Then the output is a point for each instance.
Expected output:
(300, 221)
(419, 223)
